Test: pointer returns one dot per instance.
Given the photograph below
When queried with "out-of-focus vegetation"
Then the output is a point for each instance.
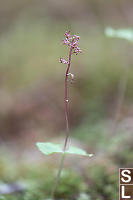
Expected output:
(31, 97)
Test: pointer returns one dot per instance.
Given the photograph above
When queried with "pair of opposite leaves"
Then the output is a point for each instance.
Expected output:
(50, 148)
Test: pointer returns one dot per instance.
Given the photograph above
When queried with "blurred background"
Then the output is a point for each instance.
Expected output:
(32, 97)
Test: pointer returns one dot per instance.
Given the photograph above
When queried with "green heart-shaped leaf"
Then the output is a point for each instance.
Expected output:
(50, 148)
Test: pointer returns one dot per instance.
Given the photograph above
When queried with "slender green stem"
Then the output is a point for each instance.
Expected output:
(58, 176)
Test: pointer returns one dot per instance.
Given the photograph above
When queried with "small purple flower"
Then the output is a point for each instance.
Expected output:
(67, 35)
(66, 42)
(77, 37)
(77, 50)
(62, 60)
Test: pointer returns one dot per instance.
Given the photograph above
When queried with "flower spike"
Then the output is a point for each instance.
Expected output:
(72, 42)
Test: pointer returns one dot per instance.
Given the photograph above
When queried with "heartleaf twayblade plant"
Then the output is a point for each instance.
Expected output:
(71, 41)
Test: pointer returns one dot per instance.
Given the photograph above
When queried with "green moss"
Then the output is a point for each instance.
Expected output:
(103, 182)
(71, 184)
